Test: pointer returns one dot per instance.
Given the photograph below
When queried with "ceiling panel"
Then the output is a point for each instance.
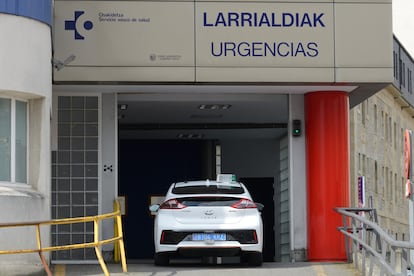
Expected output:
(243, 113)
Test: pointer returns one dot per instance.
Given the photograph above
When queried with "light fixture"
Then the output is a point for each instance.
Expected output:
(214, 106)
(123, 106)
(190, 136)
(296, 127)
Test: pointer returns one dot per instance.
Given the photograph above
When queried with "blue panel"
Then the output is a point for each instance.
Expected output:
(37, 9)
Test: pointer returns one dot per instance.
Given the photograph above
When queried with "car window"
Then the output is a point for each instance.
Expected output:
(208, 189)
(208, 201)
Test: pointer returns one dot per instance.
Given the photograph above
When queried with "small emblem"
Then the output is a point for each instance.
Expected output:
(70, 25)
(209, 213)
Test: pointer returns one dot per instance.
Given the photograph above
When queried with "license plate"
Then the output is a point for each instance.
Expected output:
(209, 237)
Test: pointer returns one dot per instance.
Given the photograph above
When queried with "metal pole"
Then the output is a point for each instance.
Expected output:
(98, 246)
(39, 247)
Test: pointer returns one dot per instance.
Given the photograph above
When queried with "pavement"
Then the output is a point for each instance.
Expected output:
(196, 269)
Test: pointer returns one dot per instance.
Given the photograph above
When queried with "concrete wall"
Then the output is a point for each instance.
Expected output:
(25, 73)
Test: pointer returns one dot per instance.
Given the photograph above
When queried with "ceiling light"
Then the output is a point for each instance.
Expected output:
(214, 106)
(190, 136)
(123, 106)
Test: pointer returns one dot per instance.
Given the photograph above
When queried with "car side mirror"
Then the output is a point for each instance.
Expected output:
(154, 208)
(260, 206)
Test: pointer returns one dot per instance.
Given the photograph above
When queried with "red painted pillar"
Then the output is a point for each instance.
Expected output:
(327, 158)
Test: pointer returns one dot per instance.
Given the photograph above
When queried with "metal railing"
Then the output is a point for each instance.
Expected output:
(372, 247)
(117, 239)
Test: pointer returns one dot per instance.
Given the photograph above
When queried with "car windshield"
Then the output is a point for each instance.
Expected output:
(208, 201)
(208, 189)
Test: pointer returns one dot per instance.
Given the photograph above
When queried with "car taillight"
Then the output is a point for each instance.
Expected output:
(244, 203)
(172, 204)
(162, 237)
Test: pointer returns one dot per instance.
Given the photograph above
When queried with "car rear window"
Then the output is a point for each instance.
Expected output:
(208, 201)
(208, 189)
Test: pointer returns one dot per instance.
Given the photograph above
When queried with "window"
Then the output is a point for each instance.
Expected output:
(13, 140)
(5, 137)
(389, 130)
(364, 165)
(212, 189)
(363, 112)
(396, 187)
(390, 185)
(395, 65)
(395, 136)
(376, 176)
(403, 75)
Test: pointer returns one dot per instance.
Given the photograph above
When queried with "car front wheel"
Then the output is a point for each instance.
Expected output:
(161, 259)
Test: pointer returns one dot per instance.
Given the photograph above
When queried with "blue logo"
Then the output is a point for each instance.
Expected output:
(71, 25)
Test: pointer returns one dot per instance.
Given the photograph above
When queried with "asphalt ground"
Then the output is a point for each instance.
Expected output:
(185, 269)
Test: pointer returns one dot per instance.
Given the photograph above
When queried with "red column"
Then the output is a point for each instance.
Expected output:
(327, 158)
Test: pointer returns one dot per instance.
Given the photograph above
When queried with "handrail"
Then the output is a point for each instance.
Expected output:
(370, 240)
(117, 239)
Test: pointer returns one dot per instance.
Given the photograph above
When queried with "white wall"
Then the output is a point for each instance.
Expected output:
(109, 158)
(25, 56)
(26, 73)
(297, 178)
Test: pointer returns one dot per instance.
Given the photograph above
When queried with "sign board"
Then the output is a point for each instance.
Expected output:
(264, 35)
(129, 34)
(115, 40)
(192, 41)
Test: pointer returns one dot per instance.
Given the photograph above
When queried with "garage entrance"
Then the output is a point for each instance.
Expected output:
(168, 138)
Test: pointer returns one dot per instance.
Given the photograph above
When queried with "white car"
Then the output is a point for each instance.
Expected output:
(208, 219)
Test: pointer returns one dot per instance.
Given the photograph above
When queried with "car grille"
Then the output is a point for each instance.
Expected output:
(241, 236)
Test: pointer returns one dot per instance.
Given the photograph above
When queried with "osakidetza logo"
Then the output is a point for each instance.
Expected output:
(78, 25)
